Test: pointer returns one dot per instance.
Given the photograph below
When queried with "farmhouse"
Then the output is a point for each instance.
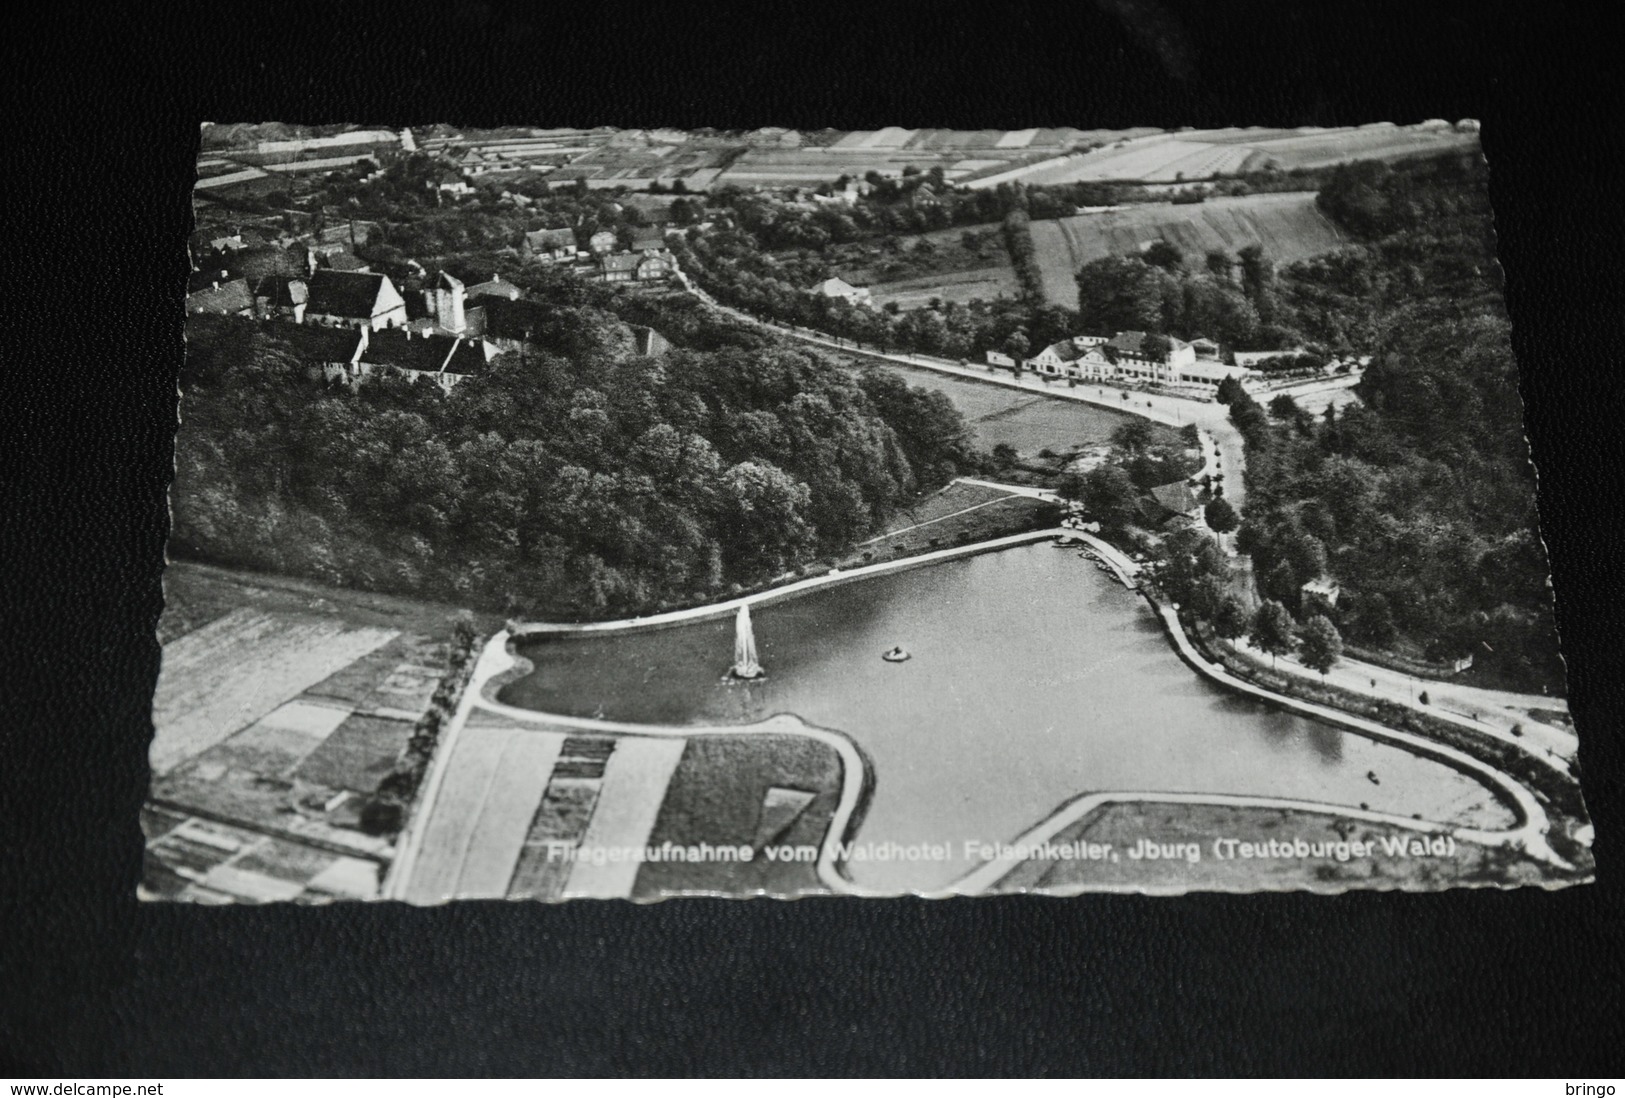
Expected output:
(551, 245)
(845, 291)
(354, 299)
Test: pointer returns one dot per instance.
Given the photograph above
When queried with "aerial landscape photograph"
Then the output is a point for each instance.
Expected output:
(609, 513)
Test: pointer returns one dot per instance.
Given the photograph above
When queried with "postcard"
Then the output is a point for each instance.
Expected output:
(591, 513)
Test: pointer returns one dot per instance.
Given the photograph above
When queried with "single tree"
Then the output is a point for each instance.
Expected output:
(1230, 619)
(1165, 255)
(1221, 517)
(1271, 629)
(1320, 644)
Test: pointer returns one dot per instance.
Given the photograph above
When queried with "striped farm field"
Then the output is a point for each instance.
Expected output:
(1287, 226)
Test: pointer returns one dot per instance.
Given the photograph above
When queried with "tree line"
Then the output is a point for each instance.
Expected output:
(572, 479)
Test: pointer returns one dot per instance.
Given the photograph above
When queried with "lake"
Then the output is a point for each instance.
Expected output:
(1034, 678)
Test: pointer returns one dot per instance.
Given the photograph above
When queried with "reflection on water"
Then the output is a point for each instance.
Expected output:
(1034, 678)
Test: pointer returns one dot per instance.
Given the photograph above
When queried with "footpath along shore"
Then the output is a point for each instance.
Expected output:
(1496, 712)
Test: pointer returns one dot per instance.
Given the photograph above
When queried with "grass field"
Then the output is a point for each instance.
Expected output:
(1288, 226)
(1198, 154)
(716, 796)
(949, 270)
(1025, 421)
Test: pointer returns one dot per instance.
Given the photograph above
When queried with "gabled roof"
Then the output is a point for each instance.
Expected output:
(227, 298)
(425, 353)
(623, 262)
(285, 293)
(643, 239)
(351, 294)
(344, 261)
(497, 287)
(832, 287)
(1176, 497)
(448, 281)
(1066, 350)
(1127, 342)
(550, 239)
(314, 343)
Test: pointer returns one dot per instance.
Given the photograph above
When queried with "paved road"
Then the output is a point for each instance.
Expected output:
(1492, 711)
(1225, 452)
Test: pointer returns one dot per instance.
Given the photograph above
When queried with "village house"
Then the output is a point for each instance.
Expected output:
(354, 299)
(843, 290)
(449, 181)
(445, 360)
(344, 261)
(228, 298)
(550, 245)
(602, 242)
(648, 240)
(280, 298)
(619, 268)
(1170, 503)
(1078, 358)
(654, 268)
(327, 353)
(496, 287)
(1323, 589)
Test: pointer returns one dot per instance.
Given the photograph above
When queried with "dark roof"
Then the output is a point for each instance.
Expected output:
(643, 239)
(229, 298)
(521, 319)
(1176, 497)
(623, 262)
(1127, 342)
(345, 293)
(285, 293)
(344, 261)
(314, 343)
(430, 353)
(206, 278)
(497, 287)
(549, 239)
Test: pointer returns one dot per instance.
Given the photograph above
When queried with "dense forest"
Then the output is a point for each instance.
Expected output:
(576, 479)
(1420, 501)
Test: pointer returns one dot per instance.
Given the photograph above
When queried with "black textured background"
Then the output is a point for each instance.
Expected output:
(101, 130)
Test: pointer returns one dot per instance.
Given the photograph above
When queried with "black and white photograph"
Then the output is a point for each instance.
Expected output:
(628, 513)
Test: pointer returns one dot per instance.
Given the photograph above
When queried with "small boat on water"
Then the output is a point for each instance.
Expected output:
(895, 655)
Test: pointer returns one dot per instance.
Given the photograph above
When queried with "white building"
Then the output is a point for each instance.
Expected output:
(838, 287)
